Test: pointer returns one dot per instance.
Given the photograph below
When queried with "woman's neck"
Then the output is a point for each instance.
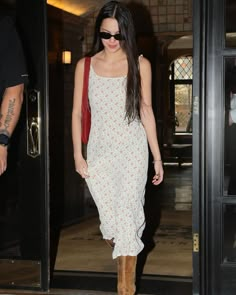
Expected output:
(112, 57)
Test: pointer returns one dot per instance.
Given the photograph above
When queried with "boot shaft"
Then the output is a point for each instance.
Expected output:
(130, 274)
(126, 275)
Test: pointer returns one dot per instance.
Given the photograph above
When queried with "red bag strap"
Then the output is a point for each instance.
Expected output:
(85, 82)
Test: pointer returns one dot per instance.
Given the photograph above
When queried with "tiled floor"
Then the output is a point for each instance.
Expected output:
(81, 247)
(167, 235)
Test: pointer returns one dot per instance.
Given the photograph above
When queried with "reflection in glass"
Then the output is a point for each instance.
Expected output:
(230, 126)
(230, 23)
(229, 243)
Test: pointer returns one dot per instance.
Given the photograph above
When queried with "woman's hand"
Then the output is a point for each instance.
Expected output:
(159, 173)
(81, 167)
(3, 159)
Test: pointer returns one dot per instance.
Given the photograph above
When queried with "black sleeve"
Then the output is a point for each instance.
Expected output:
(14, 69)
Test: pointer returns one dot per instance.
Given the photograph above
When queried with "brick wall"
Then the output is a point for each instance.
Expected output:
(166, 17)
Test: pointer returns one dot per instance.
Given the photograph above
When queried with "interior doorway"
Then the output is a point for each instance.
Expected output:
(169, 225)
(168, 234)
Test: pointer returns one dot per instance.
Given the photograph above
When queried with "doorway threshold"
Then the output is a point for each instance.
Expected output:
(98, 281)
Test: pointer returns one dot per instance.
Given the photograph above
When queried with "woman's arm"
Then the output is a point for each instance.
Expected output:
(148, 119)
(80, 163)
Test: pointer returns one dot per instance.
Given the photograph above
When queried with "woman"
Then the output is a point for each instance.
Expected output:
(122, 126)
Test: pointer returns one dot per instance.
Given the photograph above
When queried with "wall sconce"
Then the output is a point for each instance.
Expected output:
(66, 57)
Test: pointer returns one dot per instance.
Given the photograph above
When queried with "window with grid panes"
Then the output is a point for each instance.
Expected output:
(181, 92)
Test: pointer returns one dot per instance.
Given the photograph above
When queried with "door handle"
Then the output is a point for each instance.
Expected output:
(34, 137)
(33, 123)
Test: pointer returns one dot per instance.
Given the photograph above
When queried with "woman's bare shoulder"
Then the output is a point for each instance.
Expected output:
(80, 63)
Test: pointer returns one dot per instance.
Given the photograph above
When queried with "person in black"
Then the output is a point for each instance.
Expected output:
(13, 76)
(231, 126)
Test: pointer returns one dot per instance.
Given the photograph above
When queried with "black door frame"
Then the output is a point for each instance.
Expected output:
(213, 143)
(198, 151)
(35, 28)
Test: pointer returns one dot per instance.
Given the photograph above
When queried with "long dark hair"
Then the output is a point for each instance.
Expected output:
(114, 9)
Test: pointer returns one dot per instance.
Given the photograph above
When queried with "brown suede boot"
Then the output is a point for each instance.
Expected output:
(121, 288)
(130, 274)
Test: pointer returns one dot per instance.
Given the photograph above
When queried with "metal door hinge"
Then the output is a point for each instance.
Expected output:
(195, 242)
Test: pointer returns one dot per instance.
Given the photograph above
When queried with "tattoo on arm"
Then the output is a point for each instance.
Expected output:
(10, 113)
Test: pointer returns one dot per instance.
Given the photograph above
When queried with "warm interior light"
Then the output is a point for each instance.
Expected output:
(66, 57)
(71, 6)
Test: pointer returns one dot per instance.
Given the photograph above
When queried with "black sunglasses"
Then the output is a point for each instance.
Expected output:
(105, 35)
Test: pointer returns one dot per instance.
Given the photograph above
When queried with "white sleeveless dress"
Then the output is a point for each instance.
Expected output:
(117, 157)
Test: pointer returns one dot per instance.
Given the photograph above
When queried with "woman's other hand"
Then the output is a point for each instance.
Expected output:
(159, 173)
(3, 159)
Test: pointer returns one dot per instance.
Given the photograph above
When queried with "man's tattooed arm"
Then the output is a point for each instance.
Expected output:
(10, 109)
(10, 113)
(5, 124)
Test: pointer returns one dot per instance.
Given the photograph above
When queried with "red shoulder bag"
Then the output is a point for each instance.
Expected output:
(86, 114)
